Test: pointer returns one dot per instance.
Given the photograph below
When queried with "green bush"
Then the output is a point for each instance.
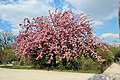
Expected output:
(78, 64)
(21, 62)
(7, 56)
(115, 51)
(81, 63)
(109, 57)
(89, 64)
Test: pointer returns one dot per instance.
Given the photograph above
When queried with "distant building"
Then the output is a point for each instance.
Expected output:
(115, 45)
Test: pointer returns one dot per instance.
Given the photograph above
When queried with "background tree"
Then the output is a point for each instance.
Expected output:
(6, 39)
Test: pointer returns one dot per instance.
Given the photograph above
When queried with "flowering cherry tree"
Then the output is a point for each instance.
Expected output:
(57, 36)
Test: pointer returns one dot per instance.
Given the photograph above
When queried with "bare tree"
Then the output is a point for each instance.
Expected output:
(6, 39)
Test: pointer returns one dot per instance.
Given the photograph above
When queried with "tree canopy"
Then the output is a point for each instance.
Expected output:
(60, 35)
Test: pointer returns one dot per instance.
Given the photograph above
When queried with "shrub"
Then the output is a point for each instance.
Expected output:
(115, 51)
(7, 55)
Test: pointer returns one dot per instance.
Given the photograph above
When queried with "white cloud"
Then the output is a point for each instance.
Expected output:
(97, 22)
(1, 30)
(15, 13)
(112, 15)
(111, 38)
(65, 7)
(97, 9)
(110, 35)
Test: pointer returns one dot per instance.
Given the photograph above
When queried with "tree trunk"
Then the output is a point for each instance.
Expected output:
(53, 62)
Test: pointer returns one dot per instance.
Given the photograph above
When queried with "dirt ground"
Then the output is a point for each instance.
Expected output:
(19, 74)
(114, 68)
(15, 74)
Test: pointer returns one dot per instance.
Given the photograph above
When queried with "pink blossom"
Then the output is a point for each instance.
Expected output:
(61, 33)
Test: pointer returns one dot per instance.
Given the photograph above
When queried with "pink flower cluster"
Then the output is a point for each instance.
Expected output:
(65, 34)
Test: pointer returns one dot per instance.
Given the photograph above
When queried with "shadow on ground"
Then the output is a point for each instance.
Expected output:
(118, 62)
(106, 77)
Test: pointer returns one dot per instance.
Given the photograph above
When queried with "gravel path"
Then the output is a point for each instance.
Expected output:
(114, 68)
(15, 74)
(19, 74)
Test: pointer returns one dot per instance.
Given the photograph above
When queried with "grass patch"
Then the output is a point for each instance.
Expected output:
(58, 70)
(17, 67)
(79, 71)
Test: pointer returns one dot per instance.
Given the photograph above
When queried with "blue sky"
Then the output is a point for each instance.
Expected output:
(104, 13)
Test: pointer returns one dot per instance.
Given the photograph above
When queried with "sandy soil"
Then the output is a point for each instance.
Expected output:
(114, 68)
(19, 74)
(15, 74)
